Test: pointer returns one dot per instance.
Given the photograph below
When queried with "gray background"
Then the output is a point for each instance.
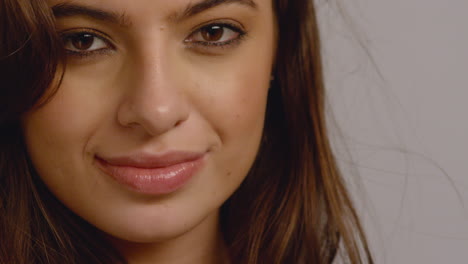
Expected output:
(397, 76)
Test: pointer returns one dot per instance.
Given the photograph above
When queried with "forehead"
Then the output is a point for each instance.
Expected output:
(140, 7)
(126, 12)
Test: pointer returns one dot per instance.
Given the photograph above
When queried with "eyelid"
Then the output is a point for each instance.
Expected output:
(96, 33)
(224, 25)
(227, 23)
(77, 30)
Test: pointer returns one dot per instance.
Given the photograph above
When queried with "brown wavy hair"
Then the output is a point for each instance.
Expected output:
(293, 206)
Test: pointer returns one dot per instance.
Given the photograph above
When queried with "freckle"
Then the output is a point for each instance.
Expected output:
(229, 173)
(161, 28)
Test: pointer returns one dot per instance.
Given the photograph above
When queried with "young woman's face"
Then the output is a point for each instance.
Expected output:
(159, 114)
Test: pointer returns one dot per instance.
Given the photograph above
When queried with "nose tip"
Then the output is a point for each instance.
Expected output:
(154, 118)
(155, 110)
(155, 96)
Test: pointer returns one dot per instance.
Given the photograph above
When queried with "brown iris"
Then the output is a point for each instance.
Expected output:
(212, 33)
(82, 41)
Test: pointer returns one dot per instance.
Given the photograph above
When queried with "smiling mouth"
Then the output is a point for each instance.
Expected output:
(152, 174)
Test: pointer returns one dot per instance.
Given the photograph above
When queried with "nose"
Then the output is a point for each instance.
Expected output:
(155, 99)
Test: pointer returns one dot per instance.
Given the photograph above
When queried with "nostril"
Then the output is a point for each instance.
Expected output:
(178, 123)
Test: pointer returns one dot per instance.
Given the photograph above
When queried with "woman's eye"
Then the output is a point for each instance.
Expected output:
(84, 43)
(215, 35)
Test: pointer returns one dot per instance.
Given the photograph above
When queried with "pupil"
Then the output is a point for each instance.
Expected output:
(83, 41)
(213, 33)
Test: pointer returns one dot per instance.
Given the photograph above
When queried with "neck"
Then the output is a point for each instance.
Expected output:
(203, 244)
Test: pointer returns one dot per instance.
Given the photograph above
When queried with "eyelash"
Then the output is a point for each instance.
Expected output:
(224, 44)
(205, 46)
(68, 36)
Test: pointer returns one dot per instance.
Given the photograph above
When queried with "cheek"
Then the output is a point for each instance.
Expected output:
(77, 108)
(66, 121)
(239, 114)
(235, 109)
(232, 94)
(57, 134)
(233, 102)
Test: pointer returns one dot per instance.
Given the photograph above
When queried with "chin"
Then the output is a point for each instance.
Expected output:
(155, 223)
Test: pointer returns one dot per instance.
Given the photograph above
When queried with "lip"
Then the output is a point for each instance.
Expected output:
(152, 174)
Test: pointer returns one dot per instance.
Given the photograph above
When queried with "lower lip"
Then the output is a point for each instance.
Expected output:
(153, 181)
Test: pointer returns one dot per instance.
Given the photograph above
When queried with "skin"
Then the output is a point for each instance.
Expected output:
(152, 91)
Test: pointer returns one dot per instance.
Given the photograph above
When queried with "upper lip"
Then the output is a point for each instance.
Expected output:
(146, 160)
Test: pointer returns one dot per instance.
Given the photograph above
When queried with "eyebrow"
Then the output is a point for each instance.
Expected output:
(70, 9)
(193, 9)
